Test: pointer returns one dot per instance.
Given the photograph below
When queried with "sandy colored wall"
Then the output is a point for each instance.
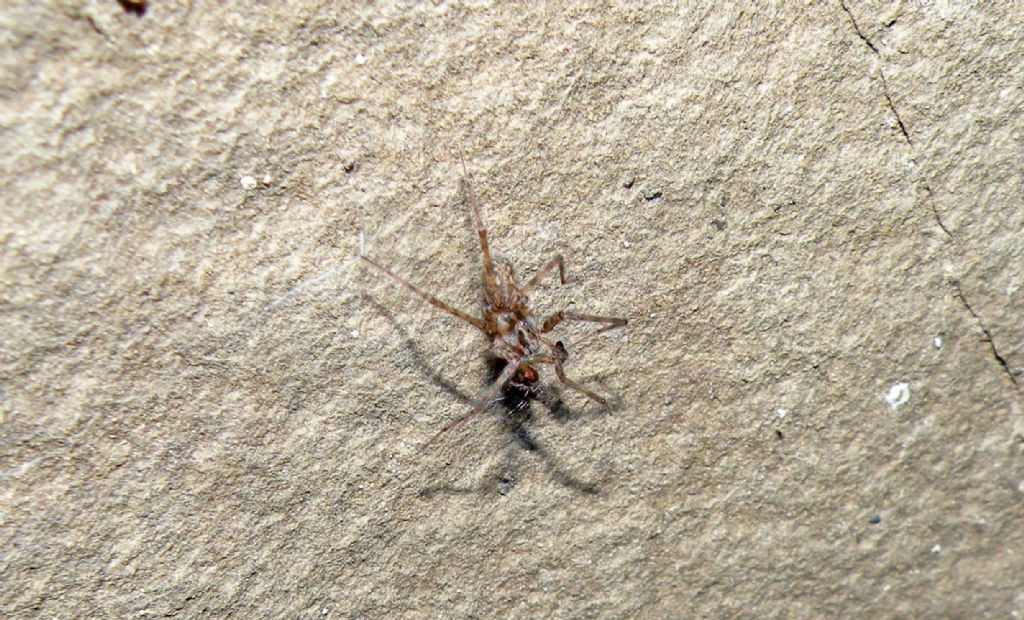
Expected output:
(812, 216)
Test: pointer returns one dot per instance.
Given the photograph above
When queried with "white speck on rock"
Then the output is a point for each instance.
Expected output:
(937, 549)
(625, 243)
(267, 179)
(355, 333)
(248, 182)
(897, 395)
(781, 412)
(937, 342)
(360, 59)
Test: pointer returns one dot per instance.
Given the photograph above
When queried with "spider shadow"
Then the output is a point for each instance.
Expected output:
(516, 413)
(562, 413)
(414, 352)
(502, 477)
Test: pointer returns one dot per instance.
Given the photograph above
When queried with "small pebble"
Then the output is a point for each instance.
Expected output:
(248, 182)
(874, 519)
(898, 395)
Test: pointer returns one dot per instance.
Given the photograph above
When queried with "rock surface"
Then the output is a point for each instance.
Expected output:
(813, 218)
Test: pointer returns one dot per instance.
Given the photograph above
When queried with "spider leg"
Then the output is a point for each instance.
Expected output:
(472, 320)
(551, 264)
(490, 393)
(565, 315)
(490, 280)
(561, 354)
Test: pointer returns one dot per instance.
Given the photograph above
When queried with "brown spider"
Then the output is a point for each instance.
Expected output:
(517, 338)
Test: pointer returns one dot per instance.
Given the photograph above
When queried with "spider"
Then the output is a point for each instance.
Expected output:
(518, 340)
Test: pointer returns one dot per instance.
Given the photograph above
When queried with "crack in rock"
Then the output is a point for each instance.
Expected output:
(892, 108)
(935, 210)
(988, 338)
(881, 72)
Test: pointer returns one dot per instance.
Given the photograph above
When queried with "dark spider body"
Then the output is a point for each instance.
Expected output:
(512, 328)
(517, 340)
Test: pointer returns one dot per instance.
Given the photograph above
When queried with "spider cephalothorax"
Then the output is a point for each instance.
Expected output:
(507, 320)
(517, 340)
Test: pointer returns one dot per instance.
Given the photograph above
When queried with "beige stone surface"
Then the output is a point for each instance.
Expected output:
(210, 408)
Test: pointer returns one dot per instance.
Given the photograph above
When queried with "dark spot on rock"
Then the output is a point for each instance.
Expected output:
(874, 519)
(629, 182)
(719, 224)
(505, 483)
(653, 195)
(135, 7)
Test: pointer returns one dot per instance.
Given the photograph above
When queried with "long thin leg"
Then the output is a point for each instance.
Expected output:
(551, 264)
(565, 315)
(472, 320)
(490, 393)
(579, 388)
(561, 354)
(490, 281)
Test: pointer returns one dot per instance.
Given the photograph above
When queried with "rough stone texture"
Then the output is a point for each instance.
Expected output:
(211, 409)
